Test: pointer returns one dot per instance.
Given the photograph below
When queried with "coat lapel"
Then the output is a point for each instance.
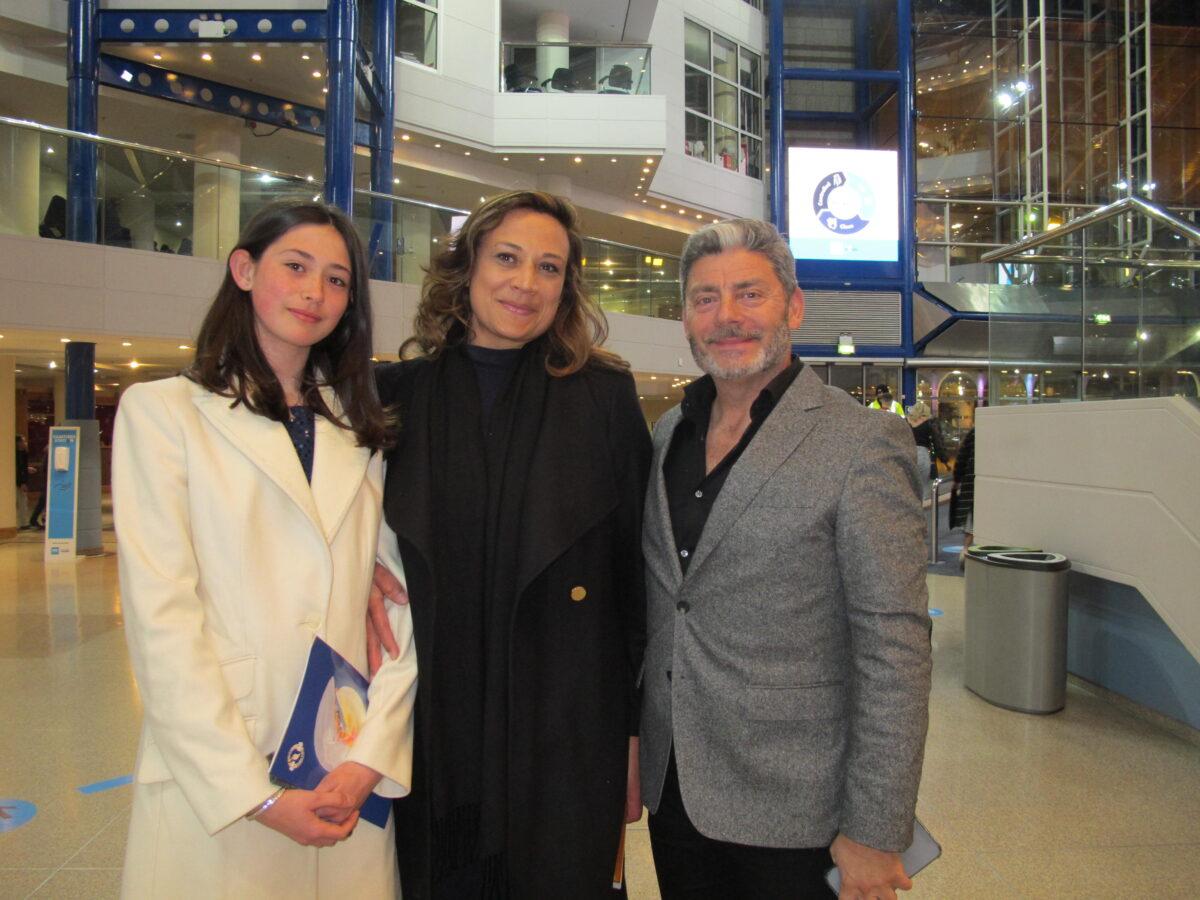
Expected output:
(783, 431)
(658, 543)
(339, 466)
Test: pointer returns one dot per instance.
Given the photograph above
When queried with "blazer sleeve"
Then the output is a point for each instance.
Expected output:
(631, 451)
(881, 558)
(189, 710)
(385, 742)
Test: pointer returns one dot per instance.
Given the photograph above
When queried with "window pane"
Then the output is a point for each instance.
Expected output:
(696, 138)
(695, 89)
(752, 150)
(751, 113)
(724, 57)
(725, 102)
(416, 34)
(725, 147)
(750, 77)
(695, 48)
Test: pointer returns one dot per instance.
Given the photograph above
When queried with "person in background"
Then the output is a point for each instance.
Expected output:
(515, 492)
(247, 501)
(22, 469)
(962, 494)
(928, 437)
(39, 474)
(884, 400)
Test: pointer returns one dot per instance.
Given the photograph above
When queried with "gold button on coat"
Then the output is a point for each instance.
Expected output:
(578, 593)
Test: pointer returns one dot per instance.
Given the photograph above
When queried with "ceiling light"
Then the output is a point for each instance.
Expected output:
(541, 159)
(53, 364)
(133, 364)
(683, 212)
(662, 206)
(304, 56)
(206, 56)
(184, 347)
(395, 181)
(406, 137)
(126, 344)
(649, 160)
(466, 153)
(614, 159)
(158, 56)
(64, 340)
(316, 74)
(482, 199)
(437, 146)
(257, 57)
(50, 150)
(645, 170)
(504, 159)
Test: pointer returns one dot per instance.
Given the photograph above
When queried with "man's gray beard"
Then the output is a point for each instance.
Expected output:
(777, 347)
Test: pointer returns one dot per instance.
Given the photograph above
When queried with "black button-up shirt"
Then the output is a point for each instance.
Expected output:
(691, 492)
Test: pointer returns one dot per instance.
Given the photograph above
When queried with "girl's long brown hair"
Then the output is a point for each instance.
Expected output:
(229, 361)
(444, 317)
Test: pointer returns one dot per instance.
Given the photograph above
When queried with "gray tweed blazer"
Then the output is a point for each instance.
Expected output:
(790, 668)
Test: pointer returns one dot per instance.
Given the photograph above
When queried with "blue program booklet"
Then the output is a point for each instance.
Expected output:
(330, 709)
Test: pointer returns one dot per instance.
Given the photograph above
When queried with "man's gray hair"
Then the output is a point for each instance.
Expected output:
(743, 234)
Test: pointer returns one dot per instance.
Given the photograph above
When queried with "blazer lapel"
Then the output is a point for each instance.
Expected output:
(339, 466)
(658, 543)
(783, 431)
(264, 442)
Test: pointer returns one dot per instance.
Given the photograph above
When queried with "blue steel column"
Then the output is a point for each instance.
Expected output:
(383, 139)
(83, 97)
(778, 138)
(862, 60)
(908, 171)
(81, 380)
(339, 105)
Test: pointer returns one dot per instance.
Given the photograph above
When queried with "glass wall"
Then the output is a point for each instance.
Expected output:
(723, 100)
(575, 68)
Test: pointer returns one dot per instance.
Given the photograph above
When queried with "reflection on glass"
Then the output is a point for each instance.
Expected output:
(695, 46)
(416, 33)
(751, 114)
(849, 378)
(725, 61)
(750, 68)
(725, 103)
(752, 150)
(697, 141)
(725, 147)
(695, 89)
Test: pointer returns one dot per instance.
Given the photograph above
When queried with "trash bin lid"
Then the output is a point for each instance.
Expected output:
(979, 551)
(1035, 560)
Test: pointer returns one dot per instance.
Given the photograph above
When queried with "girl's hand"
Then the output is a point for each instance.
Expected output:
(352, 780)
(296, 815)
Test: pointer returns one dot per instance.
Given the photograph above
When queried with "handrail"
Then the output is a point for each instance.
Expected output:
(162, 151)
(1103, 214)
(379, 196)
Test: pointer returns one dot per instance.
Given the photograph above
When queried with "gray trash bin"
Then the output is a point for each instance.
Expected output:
(1015, 648)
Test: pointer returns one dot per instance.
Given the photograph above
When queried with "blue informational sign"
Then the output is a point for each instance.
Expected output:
(62, 489)
(843, 205)
(15, 813)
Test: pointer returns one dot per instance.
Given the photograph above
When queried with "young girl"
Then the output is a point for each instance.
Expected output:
(247, 503)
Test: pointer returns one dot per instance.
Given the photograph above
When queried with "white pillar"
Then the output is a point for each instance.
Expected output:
(8, 439)
(552, 26)
(217, 191)
(19, 165)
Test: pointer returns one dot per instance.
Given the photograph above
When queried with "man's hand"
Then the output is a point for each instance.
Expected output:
(296, 814)
(633, 785)
(352, 780)
(867, 873)
(379, 632)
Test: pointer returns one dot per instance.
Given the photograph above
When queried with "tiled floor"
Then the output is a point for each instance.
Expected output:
(1090, 803)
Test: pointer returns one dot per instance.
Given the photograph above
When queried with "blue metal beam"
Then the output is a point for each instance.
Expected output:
(908, 166)
(339, 105)
(778, 135)
(813, 74)
(80, 377)
(877, 104)
(201, 93)
(862, 60)
(383, 132)
(816, 115)
(83, 100)
(181, 26)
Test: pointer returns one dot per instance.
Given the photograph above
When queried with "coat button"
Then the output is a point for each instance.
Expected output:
(579, 592)
(683, 606)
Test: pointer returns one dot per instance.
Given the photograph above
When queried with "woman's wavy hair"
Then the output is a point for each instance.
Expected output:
(444, 317)
(229, 361)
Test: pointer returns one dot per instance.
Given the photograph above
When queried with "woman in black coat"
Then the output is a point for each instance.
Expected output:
(515, 493)
(962, 495)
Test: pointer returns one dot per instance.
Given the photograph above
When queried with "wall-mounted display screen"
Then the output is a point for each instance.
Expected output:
(843, 205)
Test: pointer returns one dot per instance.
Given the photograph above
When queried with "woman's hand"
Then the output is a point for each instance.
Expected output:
(386, 586)
(352, 780)
(297, 814)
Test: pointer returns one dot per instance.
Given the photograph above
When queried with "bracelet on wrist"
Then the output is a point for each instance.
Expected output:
(266, 804)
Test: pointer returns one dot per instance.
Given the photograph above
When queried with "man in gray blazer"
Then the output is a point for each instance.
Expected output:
(786, 678)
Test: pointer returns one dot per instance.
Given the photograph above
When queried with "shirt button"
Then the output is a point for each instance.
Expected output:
(683, 606)
(699, 494)
(683, 553)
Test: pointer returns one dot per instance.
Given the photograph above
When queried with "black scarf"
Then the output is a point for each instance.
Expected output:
(479, 471)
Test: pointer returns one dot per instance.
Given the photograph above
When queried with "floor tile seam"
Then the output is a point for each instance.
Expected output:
(43, 883)
(66, 864)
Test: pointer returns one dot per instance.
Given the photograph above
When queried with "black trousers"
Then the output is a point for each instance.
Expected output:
(691, 866)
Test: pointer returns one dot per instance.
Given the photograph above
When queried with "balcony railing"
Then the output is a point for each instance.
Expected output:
(574, 68)
(148, 198)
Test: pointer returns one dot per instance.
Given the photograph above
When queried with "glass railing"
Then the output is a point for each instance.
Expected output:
(573, 68)
(954, 234)
(153, 199)
(1099, 322)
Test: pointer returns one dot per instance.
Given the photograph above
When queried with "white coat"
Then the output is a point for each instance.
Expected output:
(230, 563)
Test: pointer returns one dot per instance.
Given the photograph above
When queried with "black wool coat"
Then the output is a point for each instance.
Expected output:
(577, 633)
